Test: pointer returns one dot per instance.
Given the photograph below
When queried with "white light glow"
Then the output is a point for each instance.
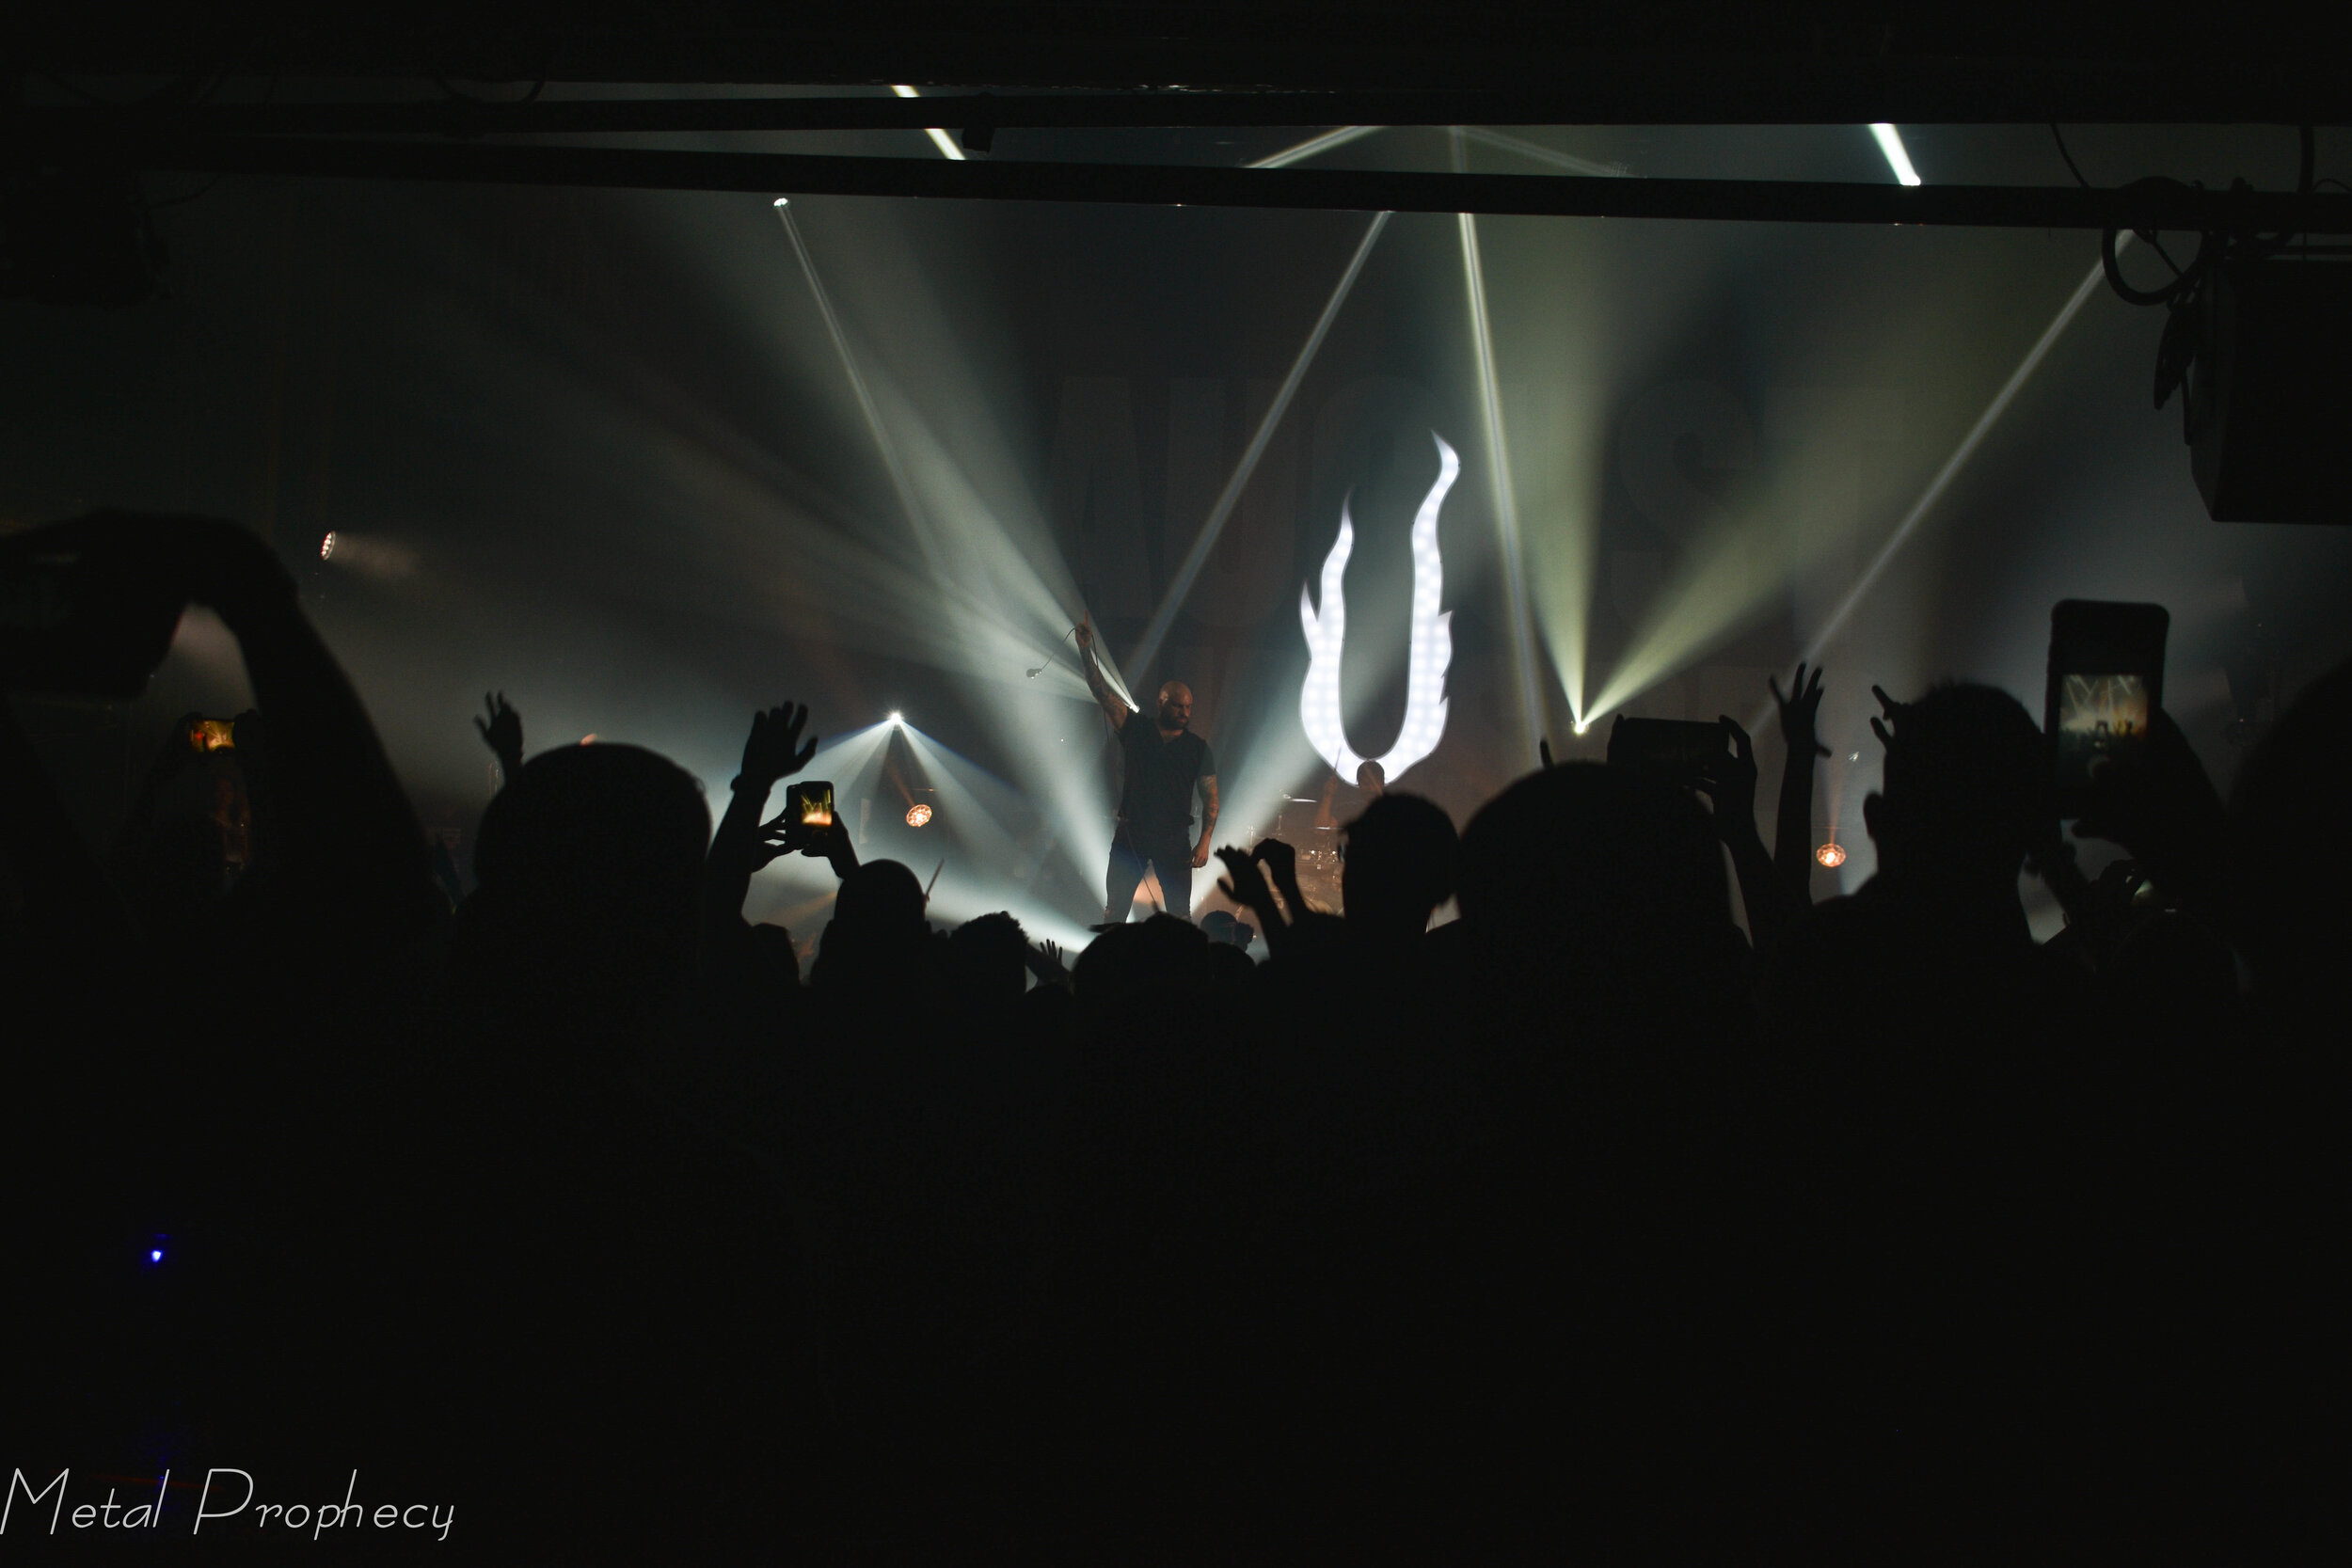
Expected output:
(2090, 284)
(939, 139)
(895, 717)
(1505, 496)
(1314, 145)
(1891, 144)
(1543, 154)
(1431, 649)
(1190, 572)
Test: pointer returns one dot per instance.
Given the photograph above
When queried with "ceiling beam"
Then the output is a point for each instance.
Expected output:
(2160, 205)
(1695, 89)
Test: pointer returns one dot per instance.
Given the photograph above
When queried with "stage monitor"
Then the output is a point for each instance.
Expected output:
(2270, 395)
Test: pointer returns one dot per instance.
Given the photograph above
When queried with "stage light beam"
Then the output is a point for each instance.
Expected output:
(1314, 145)
(1542, 154)
(1891, 143)
(882, 443)
(1505, 496)
(1952, 466)
(1181, 587)
(940, 138)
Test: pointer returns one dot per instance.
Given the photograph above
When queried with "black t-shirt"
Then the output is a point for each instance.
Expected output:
(1157, 796)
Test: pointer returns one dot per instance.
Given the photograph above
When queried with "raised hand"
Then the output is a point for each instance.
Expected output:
(1045, 961)
(788, 835)
(1894, 712)
(1799, 711)
(1246, 885)
(1728, 781)
(2161, 805)
(784, 835)
(1281, 863)
(501, 730)
(1084, 632)
(775, 749)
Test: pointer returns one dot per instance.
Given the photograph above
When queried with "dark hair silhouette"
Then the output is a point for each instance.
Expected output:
(988, 958)
(1967, 788)
(876, 933)
(1401, 856)
(1597, 852)
(2291, 914)
(589, 865)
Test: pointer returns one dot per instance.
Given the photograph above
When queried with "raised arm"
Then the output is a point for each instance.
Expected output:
(502, 731)
(354, 865)
(774, 750)
(1112, 708)
(1730, 785)
(1792, 827)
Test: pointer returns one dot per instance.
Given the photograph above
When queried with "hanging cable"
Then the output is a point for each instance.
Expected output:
(2061, 140)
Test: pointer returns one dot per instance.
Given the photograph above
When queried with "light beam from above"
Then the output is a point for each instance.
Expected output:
(940, 138)
(1505, 496)
(882, 443)
(1504, 142)
(1952, 466)
(1891, 143)
(1186, 575)
(1314, 145)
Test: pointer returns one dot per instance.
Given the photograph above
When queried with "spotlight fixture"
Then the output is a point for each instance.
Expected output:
(1582, 725)
(1830, 855)
(327, 546)
(918, 815)
(894, 717)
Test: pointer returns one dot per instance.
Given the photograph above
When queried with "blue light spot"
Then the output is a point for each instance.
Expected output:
(155, 1255)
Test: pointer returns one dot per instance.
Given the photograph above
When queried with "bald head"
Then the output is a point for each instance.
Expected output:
(1175, 705)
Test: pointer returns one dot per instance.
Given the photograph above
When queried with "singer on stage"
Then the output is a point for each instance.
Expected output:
(1164, 759)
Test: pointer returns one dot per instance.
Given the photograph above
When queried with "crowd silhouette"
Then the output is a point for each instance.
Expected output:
(1582, 1224)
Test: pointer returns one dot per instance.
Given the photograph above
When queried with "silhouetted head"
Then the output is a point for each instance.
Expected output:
(2290, 858)
(1133, 975)
(876, 931)
(1227, 968)
(1966, 791)
(1372, 778)
(1224, 928)
(1400, 865)
(989, 956)
(1175, 705)
(589, 865)
(1609, 873)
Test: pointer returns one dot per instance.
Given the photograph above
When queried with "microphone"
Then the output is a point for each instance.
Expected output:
(1049, 657)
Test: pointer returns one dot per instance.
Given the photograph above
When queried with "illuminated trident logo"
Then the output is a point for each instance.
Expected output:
(1432, 644)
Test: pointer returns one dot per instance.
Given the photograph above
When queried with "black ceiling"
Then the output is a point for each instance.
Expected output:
(1695, 61)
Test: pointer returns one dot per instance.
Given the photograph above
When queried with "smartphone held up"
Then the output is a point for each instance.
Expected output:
(1671, 750)
(2106, 683)
(808, 806)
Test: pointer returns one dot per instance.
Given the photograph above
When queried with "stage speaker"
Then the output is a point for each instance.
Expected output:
(2270, 392)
